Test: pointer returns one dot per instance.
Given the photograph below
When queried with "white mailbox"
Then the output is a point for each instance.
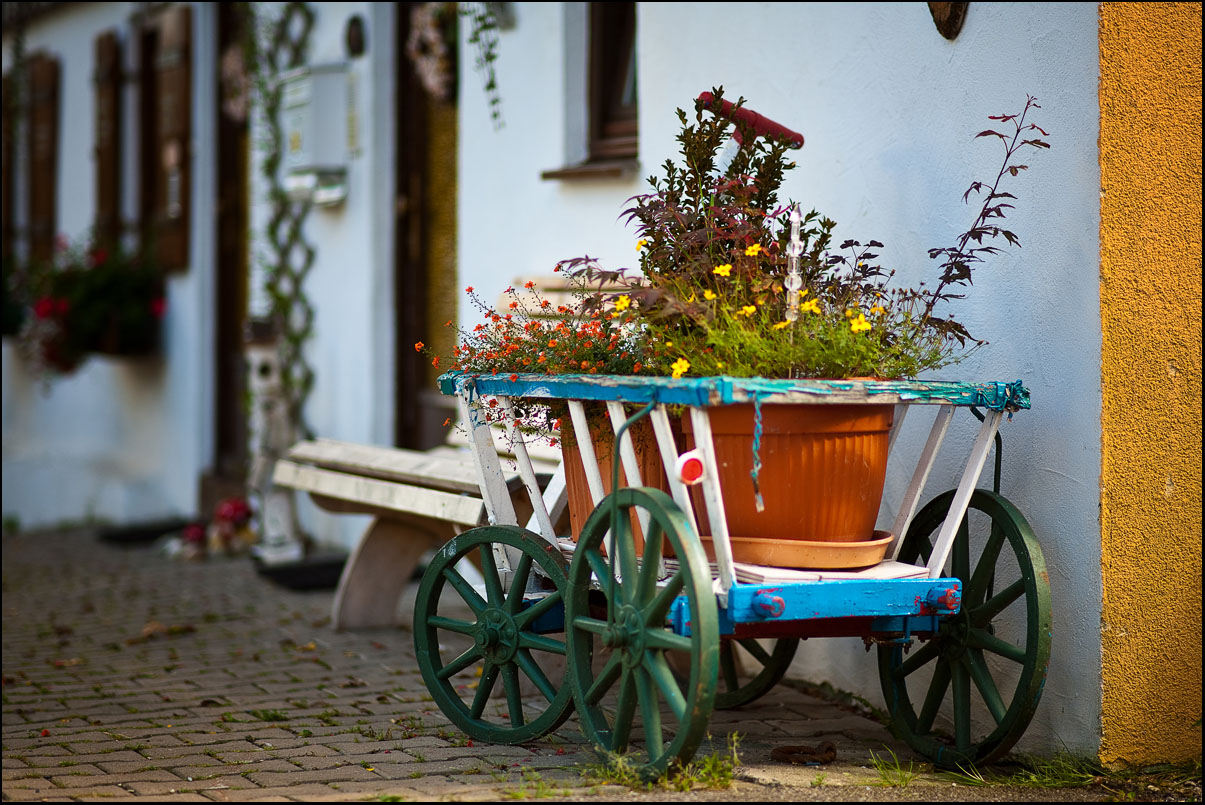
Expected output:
(318, 115)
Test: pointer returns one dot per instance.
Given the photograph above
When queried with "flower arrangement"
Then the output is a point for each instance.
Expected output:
(731, 282)
(89, 299)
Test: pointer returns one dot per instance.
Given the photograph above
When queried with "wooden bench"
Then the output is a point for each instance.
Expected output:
(419, 500)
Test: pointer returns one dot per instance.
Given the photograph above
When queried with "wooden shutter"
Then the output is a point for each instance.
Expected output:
(43, 144)
(107, 80)
(173, 80)
(6, 173)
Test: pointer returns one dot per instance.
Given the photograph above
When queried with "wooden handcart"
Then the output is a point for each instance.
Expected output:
(645, 646)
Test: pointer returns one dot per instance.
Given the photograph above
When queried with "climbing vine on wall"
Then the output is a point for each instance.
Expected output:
(273, 48)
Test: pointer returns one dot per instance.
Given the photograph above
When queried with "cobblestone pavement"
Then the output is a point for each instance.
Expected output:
(130, 674)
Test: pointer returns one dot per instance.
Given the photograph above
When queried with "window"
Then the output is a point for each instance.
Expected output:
(612, 81)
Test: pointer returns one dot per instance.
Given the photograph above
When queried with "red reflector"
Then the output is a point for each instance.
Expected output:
(692, 470)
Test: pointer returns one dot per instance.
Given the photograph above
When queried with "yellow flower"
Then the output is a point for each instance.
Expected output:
(640, 244)
(859, 324)
(747, 310)
(753, 250)
(623, 302)
(709, 295)
(812, 304)
(680, 367)
(723, 270)
(781, 324)
(878, 309)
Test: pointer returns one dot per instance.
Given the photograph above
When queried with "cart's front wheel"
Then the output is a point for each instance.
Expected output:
(985, 667)
(618, 663)
(468, 640)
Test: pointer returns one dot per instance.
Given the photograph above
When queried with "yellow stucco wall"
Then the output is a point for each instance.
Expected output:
(1150, 301)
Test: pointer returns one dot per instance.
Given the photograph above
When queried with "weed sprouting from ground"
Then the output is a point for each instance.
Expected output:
(892, 773)
(714, 771)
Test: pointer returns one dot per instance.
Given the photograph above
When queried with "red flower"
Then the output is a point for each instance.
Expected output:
(158, 307)
(44, 308)
(469, 289)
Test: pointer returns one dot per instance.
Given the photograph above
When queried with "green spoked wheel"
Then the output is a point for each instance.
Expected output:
(494, 665)
(768, 669)
(627, 697)
(981, 676)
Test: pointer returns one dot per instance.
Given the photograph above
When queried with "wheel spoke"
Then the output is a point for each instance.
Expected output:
(541, 642)
(960, 559)
(488, 676)
(592, 625)
(919, 659)
(518, 584)
(665, 639)
(982, 678)
(489, 569)
(650, 713)
(514, 698)
(658, 668)
(624, 543)
(598, 564)
(537, 609)
(933, 698)
(535, 673)
(728, 666)
(755, 648)
(625, 708)
(655, 611)
(980, 639)
(980, 583)
(651, 564)
(462, 586)
(960, 681)
(985, 612)
(606, 678)
(472, 655)
(451, 625)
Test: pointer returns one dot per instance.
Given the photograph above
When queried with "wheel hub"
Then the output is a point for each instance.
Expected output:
(497, 635)
(626, 633)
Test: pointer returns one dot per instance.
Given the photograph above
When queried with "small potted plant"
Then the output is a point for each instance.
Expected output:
(90, 299)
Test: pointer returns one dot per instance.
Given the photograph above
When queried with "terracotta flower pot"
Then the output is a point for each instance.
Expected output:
(652, 472)
(821, 478)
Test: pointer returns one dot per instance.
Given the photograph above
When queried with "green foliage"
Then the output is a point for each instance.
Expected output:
(713, 295)
(713, 771)
(892, 773)
(90, 297)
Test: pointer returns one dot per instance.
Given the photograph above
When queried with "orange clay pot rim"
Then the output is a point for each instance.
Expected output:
(879, 538)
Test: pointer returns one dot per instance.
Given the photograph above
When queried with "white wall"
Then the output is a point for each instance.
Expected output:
(889, 110)
(118, 440)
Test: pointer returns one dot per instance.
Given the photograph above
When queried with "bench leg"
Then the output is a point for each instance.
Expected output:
(377, 571)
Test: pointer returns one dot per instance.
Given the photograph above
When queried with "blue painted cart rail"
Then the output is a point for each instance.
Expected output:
(838, 598)
(705, 391)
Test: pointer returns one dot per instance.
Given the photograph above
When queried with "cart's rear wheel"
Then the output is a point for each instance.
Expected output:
(627, 640)
(467, 642)
(986, 666)
(736, 692)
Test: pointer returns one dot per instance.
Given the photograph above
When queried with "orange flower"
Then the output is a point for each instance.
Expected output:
(419, 346)
(469, 289)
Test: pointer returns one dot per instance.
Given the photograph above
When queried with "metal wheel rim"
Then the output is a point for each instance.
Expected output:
(502, 656)
(961, 670)
(637, 666)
